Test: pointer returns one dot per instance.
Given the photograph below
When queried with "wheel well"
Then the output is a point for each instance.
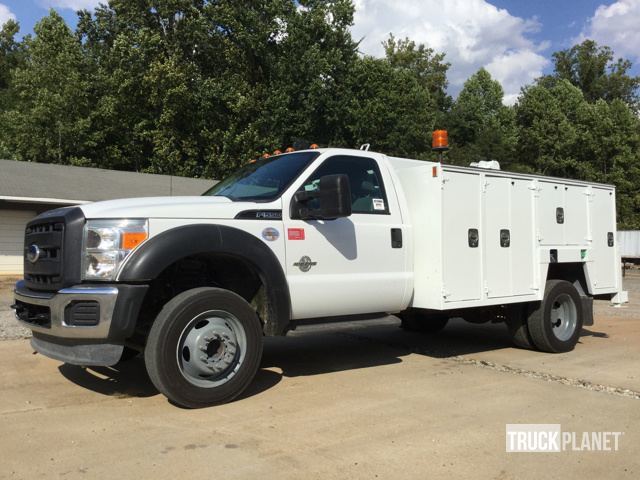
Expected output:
(203, 270)
(571, 272)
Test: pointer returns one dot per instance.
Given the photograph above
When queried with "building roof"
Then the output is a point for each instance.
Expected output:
(52, 183)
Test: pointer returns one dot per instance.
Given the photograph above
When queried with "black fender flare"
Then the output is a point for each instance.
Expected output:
(166, 248)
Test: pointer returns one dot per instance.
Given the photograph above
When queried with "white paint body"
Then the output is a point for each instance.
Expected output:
(356, 269)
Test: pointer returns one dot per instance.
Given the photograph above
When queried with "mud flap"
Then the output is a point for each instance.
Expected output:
(587, 311)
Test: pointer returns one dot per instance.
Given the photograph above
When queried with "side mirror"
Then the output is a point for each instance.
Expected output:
(331, 200)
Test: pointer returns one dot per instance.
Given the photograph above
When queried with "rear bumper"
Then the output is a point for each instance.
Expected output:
(83, 324)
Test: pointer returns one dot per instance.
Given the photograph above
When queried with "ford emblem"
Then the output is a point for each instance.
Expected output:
(33, 253)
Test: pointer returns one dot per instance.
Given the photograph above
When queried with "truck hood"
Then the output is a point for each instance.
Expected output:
(171, 207)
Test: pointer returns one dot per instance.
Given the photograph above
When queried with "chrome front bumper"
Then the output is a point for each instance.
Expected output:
(57, 303)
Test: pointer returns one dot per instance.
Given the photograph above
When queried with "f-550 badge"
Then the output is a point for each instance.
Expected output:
(305, 264)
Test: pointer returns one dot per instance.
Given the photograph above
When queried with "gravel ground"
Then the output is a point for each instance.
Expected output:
(9, 328)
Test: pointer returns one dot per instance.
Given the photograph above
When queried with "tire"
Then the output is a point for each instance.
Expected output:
(415, 321)
(204, 347)
(556, 323)
(518, 328)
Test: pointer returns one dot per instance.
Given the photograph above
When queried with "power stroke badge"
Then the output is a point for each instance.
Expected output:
(305, 264)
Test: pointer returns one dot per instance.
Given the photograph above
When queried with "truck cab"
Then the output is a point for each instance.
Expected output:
(194, 283)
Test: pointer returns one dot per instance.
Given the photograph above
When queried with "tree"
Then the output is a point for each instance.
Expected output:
(547, 135)
(11, 52)
(428, 66)
(389, 109)
(11, 57)
(48, 121)
(197, 88)
(481, 127)
(593, 70)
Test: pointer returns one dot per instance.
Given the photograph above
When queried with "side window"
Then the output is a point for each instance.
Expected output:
(367, 189)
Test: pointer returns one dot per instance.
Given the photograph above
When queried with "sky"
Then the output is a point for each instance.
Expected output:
(512, 39)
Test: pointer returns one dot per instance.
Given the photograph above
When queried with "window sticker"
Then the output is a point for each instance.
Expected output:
(313, 186)
(378, 204)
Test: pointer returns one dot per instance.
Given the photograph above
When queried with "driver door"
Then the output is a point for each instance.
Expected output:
(349, 265)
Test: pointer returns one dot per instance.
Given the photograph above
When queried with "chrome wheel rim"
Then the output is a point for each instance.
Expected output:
(211, 349)
(563, 317)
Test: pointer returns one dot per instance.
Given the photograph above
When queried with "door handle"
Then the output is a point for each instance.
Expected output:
(396, 238)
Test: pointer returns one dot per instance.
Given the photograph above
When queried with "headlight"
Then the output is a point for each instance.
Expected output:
(106, 245)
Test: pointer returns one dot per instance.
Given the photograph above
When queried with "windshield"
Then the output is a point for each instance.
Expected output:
(264, 179)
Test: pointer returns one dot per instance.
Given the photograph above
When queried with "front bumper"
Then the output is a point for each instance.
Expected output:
(83, 324)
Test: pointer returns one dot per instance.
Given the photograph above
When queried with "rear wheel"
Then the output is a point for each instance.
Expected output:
(204, 347)
(556, 323)
(416, 321)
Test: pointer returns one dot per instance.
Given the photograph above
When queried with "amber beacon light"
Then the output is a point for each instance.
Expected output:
(440, 140)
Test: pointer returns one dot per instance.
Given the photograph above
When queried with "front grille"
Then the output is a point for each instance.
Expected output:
(57, 234)
(49, 238)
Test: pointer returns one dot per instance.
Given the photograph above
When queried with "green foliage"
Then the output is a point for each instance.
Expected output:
(428, 66)
(481, 126)
(390, 109)
(593, 70)
(198, 87)
(48, 120)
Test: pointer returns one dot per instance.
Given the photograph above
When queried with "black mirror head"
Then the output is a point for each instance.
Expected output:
(333, 200)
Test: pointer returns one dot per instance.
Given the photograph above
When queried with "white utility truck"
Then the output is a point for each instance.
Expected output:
(196, 282)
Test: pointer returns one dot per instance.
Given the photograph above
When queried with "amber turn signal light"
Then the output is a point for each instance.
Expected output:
(131, 240)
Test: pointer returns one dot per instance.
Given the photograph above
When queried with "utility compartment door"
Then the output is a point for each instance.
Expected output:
(550, 217)
(576, 221)
(497, 236)
(604, 265)
(462, 263)
(509, 237)
(523, 238)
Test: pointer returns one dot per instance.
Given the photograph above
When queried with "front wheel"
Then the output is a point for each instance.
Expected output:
(204, 348)
(556, 323)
